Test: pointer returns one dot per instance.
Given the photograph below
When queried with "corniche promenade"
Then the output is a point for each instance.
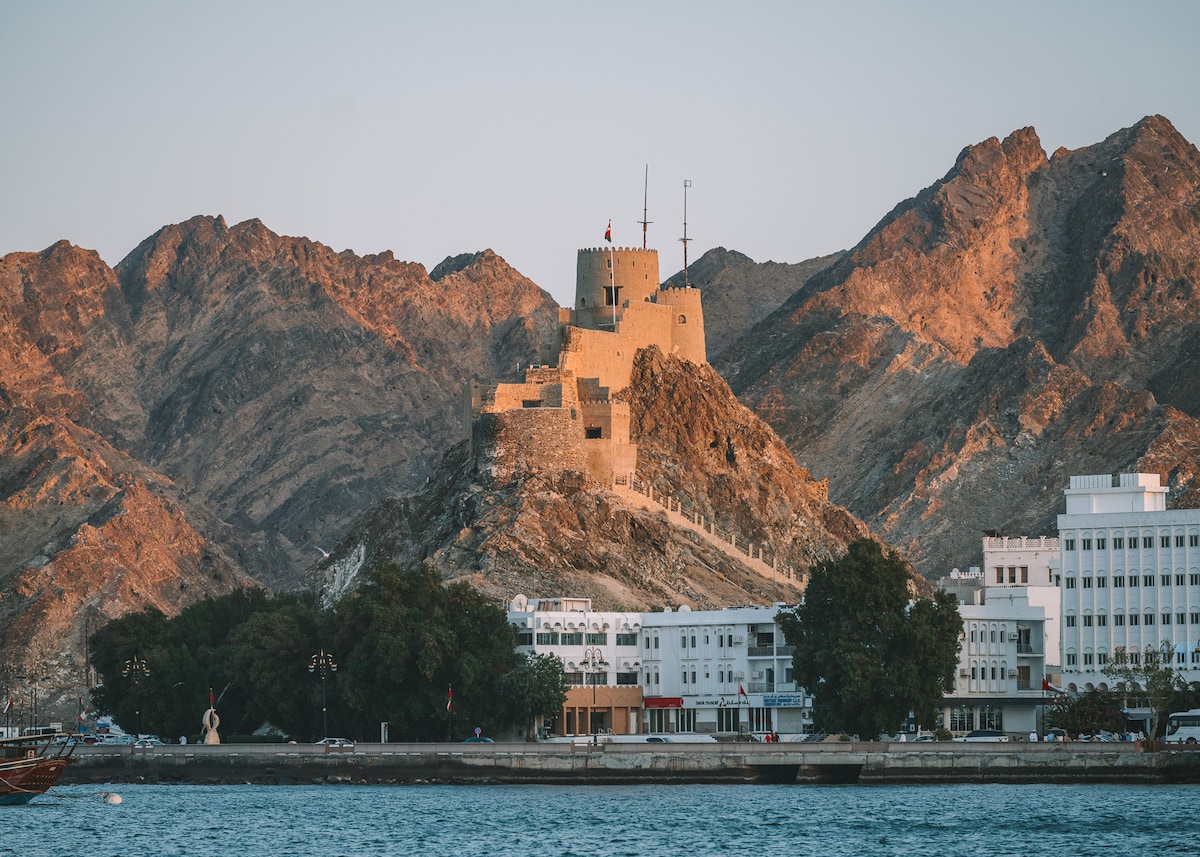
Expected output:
(616, 763)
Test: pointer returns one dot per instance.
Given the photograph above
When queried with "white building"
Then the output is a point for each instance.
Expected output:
(1001, 664)
(600, 655)
(1130, 576)
(720, 672)
(1034, 565)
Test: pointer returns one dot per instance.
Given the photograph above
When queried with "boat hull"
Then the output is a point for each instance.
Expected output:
(21, 781)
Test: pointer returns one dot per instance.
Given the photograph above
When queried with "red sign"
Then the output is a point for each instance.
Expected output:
(662, 702)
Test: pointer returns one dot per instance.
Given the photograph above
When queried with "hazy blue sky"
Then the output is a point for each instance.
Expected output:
(437, 128)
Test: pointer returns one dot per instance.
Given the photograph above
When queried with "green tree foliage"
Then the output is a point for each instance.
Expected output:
(404, 639)
(1149, 677)
(1086, 713)
(536, 686)
(867, 651)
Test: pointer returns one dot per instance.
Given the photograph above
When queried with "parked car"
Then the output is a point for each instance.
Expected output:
(657, 739)
(478, 739)
(147, 742)
(984, 735)
(336, 742)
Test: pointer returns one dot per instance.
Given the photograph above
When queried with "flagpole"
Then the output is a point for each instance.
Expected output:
(612, 277)
(449, 713)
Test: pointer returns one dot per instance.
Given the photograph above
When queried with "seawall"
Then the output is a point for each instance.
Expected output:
(859, 762)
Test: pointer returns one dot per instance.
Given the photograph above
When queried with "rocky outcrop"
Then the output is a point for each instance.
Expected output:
(1024, 319)
(549, 530)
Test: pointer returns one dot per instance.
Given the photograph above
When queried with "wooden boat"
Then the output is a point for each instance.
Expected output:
(29, 766)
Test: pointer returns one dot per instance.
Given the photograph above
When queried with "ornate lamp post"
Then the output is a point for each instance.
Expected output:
(137, 669)
(323, 662)
(593, 661)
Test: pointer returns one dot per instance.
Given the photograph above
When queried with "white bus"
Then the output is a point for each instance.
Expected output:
(1183, 727)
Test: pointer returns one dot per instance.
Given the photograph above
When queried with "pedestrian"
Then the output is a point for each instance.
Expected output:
(1033, 736)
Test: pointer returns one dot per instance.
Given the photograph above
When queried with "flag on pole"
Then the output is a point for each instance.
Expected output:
(742, 693)
(1046, 685)
(449, 697)
(608, 233)
(8, 705)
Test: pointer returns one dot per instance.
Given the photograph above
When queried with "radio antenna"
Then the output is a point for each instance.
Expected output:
(685, 239)
(645, 197)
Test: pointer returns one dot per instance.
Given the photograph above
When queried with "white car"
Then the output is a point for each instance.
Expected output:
(336, 742)
(984, 735)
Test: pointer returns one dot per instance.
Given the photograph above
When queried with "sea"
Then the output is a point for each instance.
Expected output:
(596, 821)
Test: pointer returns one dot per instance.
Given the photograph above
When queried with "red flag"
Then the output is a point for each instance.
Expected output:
(449, 698)
(742, 692)
(211, 700)
(608, 233)
(1046, 685)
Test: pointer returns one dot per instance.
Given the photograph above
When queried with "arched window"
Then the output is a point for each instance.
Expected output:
(682, 319)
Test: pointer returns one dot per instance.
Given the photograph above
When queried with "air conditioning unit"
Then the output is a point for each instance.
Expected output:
(756, 674)
(739, 674)
(738, 640)
(963, 673)
(1012, 673)
(1012, 638)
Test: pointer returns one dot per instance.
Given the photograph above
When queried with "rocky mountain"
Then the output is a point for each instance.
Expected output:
(218, 407)
(1021, 320)
(739, 292)
(557, 533)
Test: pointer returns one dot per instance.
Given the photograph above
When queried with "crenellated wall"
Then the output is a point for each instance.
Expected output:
(529, 440)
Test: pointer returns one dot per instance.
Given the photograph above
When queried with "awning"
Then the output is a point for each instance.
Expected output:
(662, 702)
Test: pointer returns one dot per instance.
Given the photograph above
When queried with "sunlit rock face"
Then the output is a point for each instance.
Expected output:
(1021, 320)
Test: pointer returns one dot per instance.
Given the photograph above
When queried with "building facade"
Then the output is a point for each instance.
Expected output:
(720, 672)
(1130, 574)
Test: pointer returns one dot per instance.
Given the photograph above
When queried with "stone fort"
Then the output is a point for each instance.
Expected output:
(562, 415)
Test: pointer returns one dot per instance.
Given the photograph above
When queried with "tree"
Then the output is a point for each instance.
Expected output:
(535, 687)
(403, 639)
(1086, 713)
(867, 651)
(1150, 676)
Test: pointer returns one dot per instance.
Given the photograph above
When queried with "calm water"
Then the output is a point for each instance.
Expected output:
(692, 821)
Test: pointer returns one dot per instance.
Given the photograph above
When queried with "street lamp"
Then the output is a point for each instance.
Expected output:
(593, 661)
(323, 661)
(136, 668)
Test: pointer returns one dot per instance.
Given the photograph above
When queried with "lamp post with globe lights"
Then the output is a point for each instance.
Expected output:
(323, 663)
(593, 662)
(137, 669)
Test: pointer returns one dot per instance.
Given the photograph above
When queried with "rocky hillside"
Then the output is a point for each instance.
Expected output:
(218, 407)
(562, 534)
(1021, 320)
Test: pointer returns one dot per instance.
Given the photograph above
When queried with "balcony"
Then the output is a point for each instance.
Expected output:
(770, 651)
(1028, 649)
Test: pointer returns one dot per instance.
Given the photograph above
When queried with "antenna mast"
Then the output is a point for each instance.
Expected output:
(685, 239)
(645, 197)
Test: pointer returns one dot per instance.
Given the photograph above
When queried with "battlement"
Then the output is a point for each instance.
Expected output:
(605, 250)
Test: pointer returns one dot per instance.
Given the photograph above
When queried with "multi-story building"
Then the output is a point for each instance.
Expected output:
(600, 655)
(1130, 576)
(720, 672)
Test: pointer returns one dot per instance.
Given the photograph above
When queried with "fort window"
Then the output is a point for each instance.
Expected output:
(593, 433)
(683, 319)
(531, 403)
(582, 302)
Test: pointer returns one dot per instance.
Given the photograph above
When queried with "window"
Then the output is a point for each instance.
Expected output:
(1133, 580)
(1012, 574)
(727, 719)
(1087, 544)
(1088, 659)
(1135, 658)
(1069, 620)
(1180, 618)
(974, 673)
(1071, 659)
(685, 720)
(683, 641)
(547, 638)
(627, 639)
(1118, 542)
(1101, 582)
(1179, 580)
(1166, 580)
(1070, 545)
(1119, 619)
(1087, 583)
(1087, 621)
(1194, 618)
(1194, 541)
(1149, 619)
(1179, 541)
(1101, 658)
(1133, 618)
(600, 639)
(1100, 542)
(1118, 581)
(1024, 574)
(1147, 580)
(656, 641)
(571, 638)
(525, 638)
(592, 433)
(1166, 619)
(1070, 583)
(1164, 541)
(693, 641)
(627, 679)
(1101, 621)
(1194, 579)
(1147, 542)
(999, 574)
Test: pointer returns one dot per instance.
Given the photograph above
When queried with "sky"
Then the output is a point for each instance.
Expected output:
(433, 129)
